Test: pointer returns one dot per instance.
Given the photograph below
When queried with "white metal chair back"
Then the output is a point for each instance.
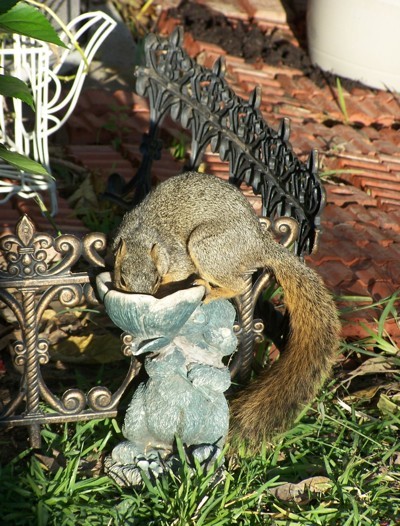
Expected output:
(27, 133)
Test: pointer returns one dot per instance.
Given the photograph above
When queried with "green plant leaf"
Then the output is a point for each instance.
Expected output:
(14, 87)
(21, 162)
(6, 5)
(29, 21)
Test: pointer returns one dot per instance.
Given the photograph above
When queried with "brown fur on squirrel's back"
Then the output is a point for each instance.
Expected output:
(207, 225)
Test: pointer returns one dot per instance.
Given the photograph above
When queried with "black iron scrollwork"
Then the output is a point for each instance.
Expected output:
(37, 269)
(201, 100)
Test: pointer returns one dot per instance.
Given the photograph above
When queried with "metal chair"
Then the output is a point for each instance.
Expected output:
(34, 62)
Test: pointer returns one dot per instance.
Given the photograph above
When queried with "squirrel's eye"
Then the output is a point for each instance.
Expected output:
(122, 281)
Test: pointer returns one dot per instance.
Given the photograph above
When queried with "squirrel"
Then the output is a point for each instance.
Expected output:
(199, 225)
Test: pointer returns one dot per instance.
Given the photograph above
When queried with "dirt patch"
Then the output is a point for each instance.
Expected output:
(248, 41)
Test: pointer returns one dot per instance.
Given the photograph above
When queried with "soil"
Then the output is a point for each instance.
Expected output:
(252, 44)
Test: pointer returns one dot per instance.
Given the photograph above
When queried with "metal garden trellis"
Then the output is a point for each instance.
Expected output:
(202, 101)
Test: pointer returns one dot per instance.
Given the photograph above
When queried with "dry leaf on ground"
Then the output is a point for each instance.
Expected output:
(303, 491)
(388, 405)
(377, 365)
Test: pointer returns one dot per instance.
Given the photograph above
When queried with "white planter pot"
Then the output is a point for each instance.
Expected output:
(357, 39)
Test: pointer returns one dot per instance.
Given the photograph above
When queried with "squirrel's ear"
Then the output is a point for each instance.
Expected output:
(160, 258)
(120, 253)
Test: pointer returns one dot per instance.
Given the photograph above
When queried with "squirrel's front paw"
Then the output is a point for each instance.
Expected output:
(202, 282)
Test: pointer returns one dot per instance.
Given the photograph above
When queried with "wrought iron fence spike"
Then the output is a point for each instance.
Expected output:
(219, 67)
(255, 97)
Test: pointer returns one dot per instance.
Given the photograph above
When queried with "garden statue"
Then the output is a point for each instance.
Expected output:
(185, 341)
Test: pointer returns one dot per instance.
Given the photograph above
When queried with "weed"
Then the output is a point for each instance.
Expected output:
(116, 124)
(179, 147)
(342, 101)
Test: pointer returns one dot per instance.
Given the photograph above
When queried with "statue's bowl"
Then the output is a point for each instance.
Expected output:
(143, 315)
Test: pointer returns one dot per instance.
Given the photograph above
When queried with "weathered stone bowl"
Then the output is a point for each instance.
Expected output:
(148, 318)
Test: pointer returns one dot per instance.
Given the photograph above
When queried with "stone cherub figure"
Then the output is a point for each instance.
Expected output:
(184, 341)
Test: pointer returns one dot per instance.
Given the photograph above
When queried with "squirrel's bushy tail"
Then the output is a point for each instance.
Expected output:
(272, 401)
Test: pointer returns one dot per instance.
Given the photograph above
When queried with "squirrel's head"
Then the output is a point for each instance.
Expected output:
(139, 267)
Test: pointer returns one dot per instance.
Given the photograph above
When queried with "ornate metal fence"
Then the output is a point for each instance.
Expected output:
(38, 268)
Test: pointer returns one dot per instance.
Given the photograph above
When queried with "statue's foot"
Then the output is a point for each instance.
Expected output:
(124, 475)
(126, 465)
(126, 452)
(206, 454)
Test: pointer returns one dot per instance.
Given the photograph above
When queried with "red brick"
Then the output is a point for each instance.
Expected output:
(393, 161)
(326, 252)
(324, 104)
(350, 253)
(212, 50)
(166, 24)
(95, 150)
(380, 193)
(361, 214)
(346, 195)
(392, 269)
(369, 107)
(125, 98)
(327, 236)
(95, 100)
(389, 181)
(386, 147)
(370, 164)
(345, 232)
(382, 289)
(296, 113)
(334, 273)
(353, 288)
(370, 132)
(396, 215)
(366, 276)
(389, 205)
(393, 252)
(334, 215)
(355, 111)
(372, 233)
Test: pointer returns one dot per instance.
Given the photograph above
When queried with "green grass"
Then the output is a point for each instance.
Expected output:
(342, 100)
(347, 436)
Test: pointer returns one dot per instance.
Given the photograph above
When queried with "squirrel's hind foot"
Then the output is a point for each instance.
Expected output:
(215, 292)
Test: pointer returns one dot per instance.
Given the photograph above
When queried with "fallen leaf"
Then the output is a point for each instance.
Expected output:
(392, 389)
(84, 197)
(386, 405)
(89, 348)
(52, 463)
(363, 394)
(303, 491)
(378, 365)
